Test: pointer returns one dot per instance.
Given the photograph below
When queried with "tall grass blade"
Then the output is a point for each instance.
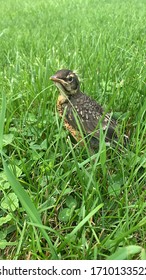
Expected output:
(78, 227)
(125, 252)
(28, 205)
(2, 119)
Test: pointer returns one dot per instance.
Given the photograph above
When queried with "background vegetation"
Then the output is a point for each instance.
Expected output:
(56, 201)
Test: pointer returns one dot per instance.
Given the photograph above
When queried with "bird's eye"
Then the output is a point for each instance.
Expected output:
(70, 78)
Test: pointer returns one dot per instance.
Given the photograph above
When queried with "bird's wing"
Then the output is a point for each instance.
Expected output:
(86, 113)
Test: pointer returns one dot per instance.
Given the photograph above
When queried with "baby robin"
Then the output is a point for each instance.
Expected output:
(82, 114)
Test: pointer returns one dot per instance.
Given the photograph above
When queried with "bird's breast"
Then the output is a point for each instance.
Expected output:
(61, 103)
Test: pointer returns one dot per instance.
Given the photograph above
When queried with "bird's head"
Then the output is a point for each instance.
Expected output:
(67, 82)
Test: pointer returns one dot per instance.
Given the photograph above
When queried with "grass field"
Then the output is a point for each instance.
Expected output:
(56, 202)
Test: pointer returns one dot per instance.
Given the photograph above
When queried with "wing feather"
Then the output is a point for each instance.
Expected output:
(82, 110)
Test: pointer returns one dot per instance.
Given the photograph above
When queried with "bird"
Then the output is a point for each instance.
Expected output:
(83, 116)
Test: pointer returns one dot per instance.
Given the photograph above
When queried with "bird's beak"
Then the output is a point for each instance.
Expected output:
(55, 79)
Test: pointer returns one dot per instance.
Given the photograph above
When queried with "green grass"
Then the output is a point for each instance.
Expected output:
(56, 201)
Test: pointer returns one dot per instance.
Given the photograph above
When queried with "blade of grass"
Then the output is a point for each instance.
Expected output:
(78, 227)
(28, 206)
(128, 232)
(20, 241)
(125, 252)
(2, 120)
(103, 151)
